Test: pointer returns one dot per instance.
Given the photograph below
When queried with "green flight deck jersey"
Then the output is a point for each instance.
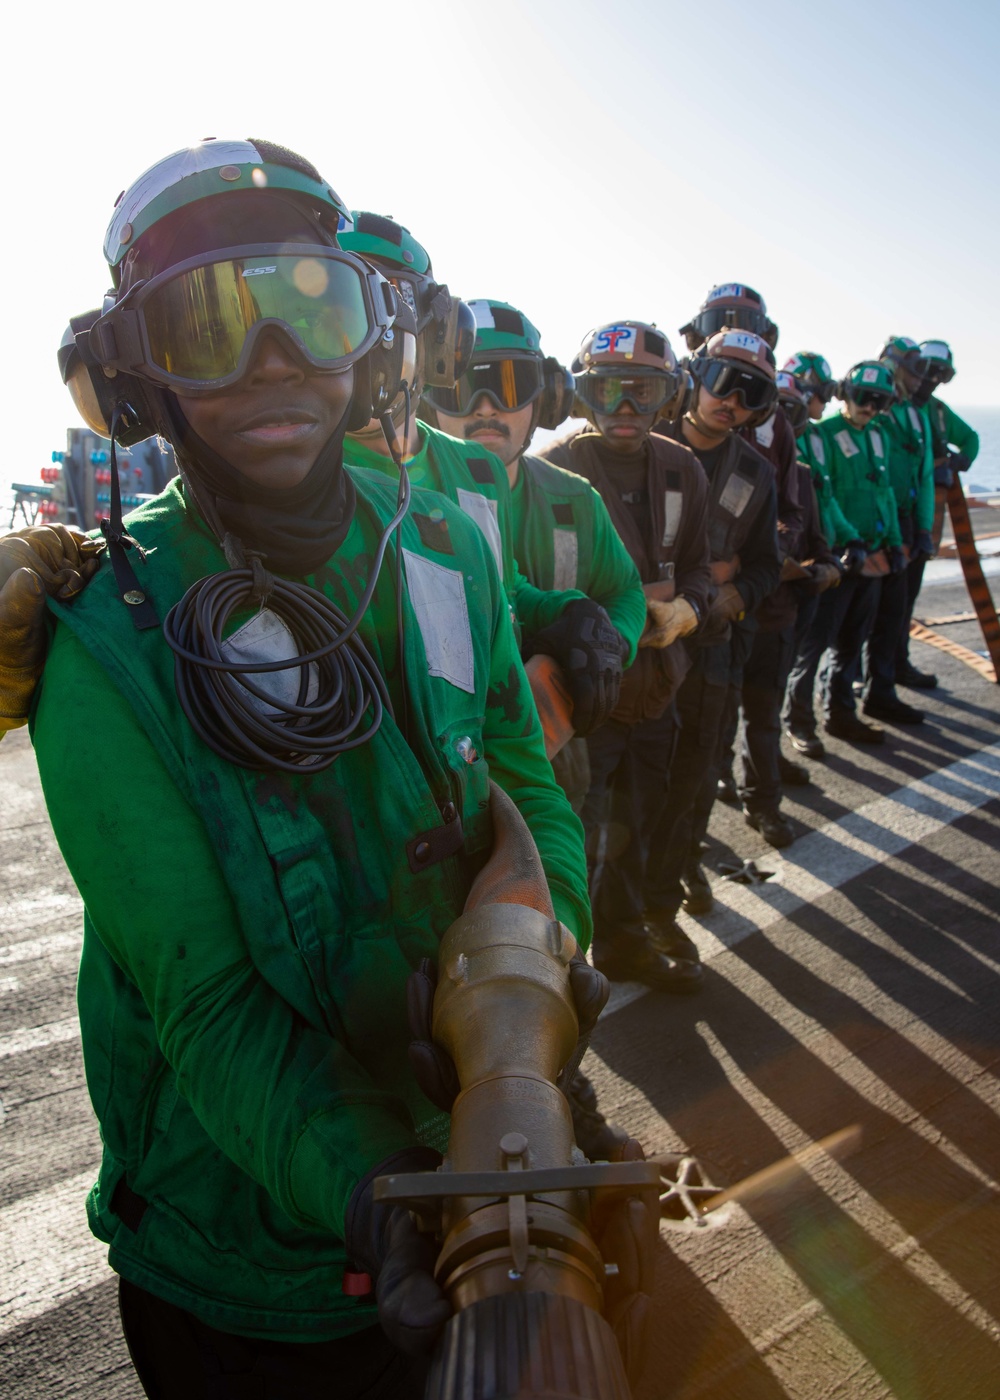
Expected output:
(248, 935)
(837, 529)
(564, 538)
(476, 480)
(911, 462)
(857, 463)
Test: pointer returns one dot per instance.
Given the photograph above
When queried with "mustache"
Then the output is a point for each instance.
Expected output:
(493, 425)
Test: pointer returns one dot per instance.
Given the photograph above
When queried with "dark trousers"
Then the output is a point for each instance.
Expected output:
(629, 782)
(764, 677)
(855, 612)
(179, 1357)
(914, 578)
(673, 845)
(814, 635)
(885, 637)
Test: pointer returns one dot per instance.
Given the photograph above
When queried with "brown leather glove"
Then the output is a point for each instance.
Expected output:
(823, 576)
(43, 559)
(728, 605)
(665, 622)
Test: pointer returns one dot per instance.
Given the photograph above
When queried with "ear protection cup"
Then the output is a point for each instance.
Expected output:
(558, 393)
(97, 395)
(379, 377)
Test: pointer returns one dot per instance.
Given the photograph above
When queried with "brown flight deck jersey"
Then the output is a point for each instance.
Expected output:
(658, 502)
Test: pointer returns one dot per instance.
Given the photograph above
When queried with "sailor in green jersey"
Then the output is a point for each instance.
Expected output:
(955, 446)
(253, 908)
(854, 454)
(579, 634)
(911, 471)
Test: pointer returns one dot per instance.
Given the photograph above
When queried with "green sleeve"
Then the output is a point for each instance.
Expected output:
(515, 749)
(536, 608)
(614, 580)
(311, 1120)
(959, 434)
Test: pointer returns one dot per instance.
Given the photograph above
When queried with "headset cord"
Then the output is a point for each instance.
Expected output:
(341, 693)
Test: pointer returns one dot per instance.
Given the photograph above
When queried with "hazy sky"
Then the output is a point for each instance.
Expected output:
(580, 160)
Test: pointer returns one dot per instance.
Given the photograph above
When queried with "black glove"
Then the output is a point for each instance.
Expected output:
(923, 546)
(959, 461)
(588, 646)
(626, 1231)
(383, 1242)
(896, 557)
(944, 476)
(434, 1069)
(853, 557)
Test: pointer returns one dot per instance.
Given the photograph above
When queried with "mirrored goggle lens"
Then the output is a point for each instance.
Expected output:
(796, 411)
(721, 318)
(510, 384)
(605, 393)
(197, 323)
(722, 378)
(872, 398)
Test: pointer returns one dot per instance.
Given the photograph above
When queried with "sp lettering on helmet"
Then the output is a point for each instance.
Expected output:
(615, 340)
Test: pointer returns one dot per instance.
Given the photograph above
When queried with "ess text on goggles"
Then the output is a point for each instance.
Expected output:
(194, 327)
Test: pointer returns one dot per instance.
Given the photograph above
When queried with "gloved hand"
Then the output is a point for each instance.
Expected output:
(45, 559)
(665, 622)
(728, 605)
(959, 461)
(626, 1231)
(896, 557)
(923, 545)
(383, 1242)
(853, 557)
(823, 576)
(590, 650)
(434, 1069)
(944, 476)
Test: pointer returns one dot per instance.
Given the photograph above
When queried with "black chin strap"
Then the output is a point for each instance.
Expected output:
(141, 609)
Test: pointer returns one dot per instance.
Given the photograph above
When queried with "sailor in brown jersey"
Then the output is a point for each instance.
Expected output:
(657, 496)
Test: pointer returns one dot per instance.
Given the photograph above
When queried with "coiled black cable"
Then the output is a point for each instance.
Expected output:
(217, 695)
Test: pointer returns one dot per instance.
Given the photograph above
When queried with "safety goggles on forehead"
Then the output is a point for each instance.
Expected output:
(508, 384)
(877, 399)
(725, 377)
(646, 393)
(194, 327)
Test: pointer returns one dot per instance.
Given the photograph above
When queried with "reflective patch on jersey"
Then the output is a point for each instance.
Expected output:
(846, 443)
(818, 449)
(438, 598)
(266, 638)
(915, 421)
(875, 437)
(765, 432)
(673, 504)
(566, 558)
(483, 511)
(736, 495)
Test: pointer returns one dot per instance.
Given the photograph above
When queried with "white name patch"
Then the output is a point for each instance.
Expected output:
(566, 558)
(484, 512)
(438, 598)
(846, 443)
(736, 495)
(266, 638)
(673, 503)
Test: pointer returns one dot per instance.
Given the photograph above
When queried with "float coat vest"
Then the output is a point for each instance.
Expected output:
(909, 452)
(857, 461)
(839, 531)
(240, 1123)
(671, 553)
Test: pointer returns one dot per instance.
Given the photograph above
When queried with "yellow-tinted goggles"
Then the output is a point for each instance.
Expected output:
(193, 327)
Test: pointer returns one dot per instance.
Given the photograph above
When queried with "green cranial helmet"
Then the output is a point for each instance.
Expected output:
(214, 167)
(939, 361)
(869, 381)
(810, 369)
(903, 353)
(501, 327)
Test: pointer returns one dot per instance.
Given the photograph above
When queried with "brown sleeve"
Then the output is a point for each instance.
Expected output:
(692, 575)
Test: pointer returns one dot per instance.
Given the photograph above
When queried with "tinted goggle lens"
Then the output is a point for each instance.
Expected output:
(722, 318)
(509, 384)
(197, 323)
(646, 393)
(872, 398)
(722, 378)
(796, 411)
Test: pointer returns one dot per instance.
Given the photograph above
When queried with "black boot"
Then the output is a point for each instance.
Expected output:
(698, 897)
(597, 1139)
(627, 954)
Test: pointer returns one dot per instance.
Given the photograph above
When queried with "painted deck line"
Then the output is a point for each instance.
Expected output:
(817, 864)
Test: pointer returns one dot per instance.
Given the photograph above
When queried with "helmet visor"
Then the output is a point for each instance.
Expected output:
(646, 393)
(508, 383)
(198, 322)
(722, 318)
(872, 398)
(723, 378)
